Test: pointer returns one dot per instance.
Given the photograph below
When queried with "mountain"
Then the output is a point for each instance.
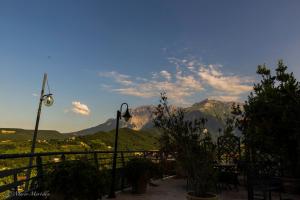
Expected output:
(215, 111)
(23, 134)
(136, 134)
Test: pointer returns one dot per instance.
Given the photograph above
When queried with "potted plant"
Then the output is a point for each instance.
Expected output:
(199, 166)
(138, 172)
(76, 180)
(193, 146)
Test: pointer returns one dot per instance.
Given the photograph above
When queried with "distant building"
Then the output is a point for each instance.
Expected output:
(4, 141)
(8, 132)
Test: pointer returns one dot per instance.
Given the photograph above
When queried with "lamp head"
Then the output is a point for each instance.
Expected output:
(48, 100)
(127, 115)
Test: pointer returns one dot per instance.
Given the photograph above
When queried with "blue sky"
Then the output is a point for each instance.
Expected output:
(99, 54)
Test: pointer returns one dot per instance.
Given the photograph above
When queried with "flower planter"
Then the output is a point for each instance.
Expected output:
(138, 172)
(180, 172)
(291, 185)
(140, 186)
(190, 196)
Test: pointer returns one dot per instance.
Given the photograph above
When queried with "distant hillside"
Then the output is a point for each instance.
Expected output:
(215, 111)
(23, 134)
(129, 139)
(141, 119)
(109, 125)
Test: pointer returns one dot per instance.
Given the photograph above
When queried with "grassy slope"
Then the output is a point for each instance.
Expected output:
(22, 134)
(128, 140)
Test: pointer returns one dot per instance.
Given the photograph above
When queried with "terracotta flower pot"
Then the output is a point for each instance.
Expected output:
(140, 186)
(190, 196)
(291, 185)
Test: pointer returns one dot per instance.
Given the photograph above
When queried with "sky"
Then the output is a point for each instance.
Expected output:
(99, 54)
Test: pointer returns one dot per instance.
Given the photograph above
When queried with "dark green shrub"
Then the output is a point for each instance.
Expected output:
(76, 180)
(191, 145)
(138, 172)
(270, 121)
(137, 167)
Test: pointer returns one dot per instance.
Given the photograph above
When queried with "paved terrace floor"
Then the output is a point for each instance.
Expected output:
(174, 189)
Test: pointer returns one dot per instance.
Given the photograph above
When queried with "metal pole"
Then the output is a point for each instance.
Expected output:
(35, 132)
(113, 173)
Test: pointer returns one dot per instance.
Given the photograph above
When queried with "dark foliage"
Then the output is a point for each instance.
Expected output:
(271, 118)
(138, 167)
(76, 180)
(190, 143)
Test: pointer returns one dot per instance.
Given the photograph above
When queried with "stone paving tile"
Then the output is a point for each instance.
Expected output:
(168, 189)
(174, 189)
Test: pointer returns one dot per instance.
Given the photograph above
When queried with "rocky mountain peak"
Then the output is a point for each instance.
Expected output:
(142, 116)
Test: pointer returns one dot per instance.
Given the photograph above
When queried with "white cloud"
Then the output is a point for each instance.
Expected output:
(105, 86)
(141, 79)
(165, 74)
(35, 94)
(225, 98)
(136, 91)
(182, 87)
(120, 78)
(233, 85)
(80, 108)
(189, 82)
(191, 77)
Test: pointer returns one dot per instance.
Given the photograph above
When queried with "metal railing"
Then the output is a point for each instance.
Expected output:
(12, 177)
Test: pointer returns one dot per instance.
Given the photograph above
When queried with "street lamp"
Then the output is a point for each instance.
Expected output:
(126, 116)
(48, 101)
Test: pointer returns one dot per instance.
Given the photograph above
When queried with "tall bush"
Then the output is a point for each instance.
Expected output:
(76, 180)
(190, 143)
(271, 118)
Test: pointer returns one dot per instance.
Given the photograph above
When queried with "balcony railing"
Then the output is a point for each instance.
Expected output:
(14, 166)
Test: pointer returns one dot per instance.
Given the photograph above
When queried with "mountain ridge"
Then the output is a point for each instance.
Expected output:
(27, 134)
(215, 111)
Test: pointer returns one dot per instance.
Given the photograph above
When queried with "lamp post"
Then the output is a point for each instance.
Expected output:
(48, 101)
(126, 116)
(219, 130)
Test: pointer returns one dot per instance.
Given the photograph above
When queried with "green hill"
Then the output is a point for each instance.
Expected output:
(19, 141)
(23, 134)
(128, 140)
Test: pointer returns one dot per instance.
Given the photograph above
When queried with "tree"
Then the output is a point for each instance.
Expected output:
(271, 118)
(190, 143)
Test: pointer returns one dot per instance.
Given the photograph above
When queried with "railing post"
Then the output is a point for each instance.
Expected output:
(96, 160)
(123, 165)
(40, 173)
(249, 183)
(161, 162)
(15, 181)
(63, 157)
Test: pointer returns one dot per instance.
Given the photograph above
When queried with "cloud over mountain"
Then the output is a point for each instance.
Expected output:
(189, 78)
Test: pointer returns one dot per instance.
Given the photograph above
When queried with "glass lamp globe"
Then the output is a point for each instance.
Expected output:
(48, 101)
(127, 115)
